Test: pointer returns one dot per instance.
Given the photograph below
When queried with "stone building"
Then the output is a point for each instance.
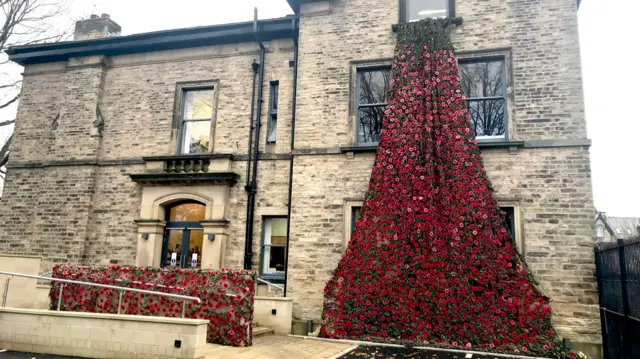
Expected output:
(140, 150)
(611, 229)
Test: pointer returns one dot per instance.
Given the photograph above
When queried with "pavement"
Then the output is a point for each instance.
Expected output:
(6, 354)
(286, 347)
(280, 347)
(366, 352)
(265, 347)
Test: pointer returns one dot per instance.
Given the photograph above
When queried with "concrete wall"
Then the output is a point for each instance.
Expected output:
(23, 292)
(91, 335)
(281, 320)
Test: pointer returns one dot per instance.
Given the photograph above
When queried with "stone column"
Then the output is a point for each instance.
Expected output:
(213, 250)
(149, 250)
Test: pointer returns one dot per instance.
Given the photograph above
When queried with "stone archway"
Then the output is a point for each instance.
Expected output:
(152, 222)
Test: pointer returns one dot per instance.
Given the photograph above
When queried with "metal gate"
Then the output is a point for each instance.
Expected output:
(618, 273)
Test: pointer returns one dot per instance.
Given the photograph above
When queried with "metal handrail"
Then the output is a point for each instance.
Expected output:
(269, 283)
(184, 298)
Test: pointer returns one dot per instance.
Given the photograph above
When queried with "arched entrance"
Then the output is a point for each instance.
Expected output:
(184, 235)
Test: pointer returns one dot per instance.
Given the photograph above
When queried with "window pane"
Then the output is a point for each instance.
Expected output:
(274, 260)
(275, 240)
(274, 97)
(275, 231)
(188, 212)
(195, 248)
(483, 79)
(373, 86)
(355, 216)
(488, 118)
(196, 136)
(174, 246)
(198, 104)
(370, 123)
(421, 9)
(271, 135)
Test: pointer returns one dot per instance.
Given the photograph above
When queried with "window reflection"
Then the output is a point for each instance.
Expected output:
(422, 9)
(196, 121)
(187, 212)
(373, 92)
(484, 86)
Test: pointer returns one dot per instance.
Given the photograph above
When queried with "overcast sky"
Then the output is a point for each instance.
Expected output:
(607, 31)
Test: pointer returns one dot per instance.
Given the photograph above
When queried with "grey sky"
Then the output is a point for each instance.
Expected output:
(607, 57)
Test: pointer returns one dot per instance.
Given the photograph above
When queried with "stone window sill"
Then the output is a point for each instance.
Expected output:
(511, 145)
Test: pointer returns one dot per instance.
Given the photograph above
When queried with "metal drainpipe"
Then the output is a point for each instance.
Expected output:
(253, 187)
(248, 187)
(254, 66)
(293, 142)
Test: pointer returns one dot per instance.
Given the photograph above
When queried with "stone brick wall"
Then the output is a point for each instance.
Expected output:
(550, 185)
(549, 179)
(541, 35)
(68, 196)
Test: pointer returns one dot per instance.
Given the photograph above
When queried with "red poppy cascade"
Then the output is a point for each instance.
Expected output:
(431, 262)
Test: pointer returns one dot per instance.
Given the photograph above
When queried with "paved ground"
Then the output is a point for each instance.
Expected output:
(400, 353)
(283, 347)
(280, 347)
(17, 355)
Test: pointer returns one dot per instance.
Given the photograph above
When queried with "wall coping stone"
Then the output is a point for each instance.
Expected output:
(277, 299)
(130, 318)
(18, 256)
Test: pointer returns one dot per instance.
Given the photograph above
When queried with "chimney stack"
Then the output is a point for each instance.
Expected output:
(96, 27)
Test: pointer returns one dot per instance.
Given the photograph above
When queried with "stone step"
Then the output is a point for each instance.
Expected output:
(262, 331)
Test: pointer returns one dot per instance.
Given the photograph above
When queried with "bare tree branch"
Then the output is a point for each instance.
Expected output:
(7, 123)
(6, 104)
(25, 22)
(15, 83)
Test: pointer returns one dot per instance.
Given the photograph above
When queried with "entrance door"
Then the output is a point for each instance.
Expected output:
(183, 239)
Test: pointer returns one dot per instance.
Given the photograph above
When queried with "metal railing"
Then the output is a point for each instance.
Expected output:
(121, 290)
(270, 284)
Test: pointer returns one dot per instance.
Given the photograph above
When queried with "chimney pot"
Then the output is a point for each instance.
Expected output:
(105, 16)
(94, 16)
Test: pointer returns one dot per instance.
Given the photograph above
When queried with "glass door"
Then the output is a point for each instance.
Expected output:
(182, 248)
(184, 236)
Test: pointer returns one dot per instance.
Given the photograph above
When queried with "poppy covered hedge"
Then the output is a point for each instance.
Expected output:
(431, 261)
(227, 296)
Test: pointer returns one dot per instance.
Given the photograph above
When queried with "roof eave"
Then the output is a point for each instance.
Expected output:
(280, 28)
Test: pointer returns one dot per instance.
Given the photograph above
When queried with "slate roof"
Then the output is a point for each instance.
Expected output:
(625, 227)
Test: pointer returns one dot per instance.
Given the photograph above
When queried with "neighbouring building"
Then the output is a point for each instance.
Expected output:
(610, 229)
(141, 149)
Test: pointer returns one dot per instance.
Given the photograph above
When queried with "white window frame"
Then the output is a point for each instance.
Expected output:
(266, 233)
(517, 219)
(348, 219)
